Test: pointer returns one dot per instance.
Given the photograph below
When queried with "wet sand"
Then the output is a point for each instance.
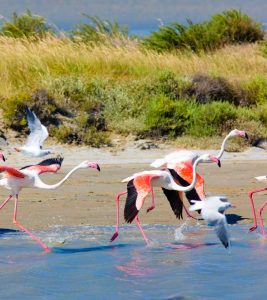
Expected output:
(88, 197)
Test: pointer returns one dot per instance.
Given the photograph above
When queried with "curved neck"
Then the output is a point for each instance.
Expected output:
(40, 184)
(194, 180)
(219, 155)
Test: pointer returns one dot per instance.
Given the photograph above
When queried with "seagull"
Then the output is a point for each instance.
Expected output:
(38, 134)
(212, 211)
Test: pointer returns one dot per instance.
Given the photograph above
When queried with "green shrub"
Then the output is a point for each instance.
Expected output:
(166, 116)
(257, 90)
(229, 27)
(210, 119)
(26, 25)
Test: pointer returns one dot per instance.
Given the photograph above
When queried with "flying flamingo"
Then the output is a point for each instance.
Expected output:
(141, 184)
(28, 177)
(260, 210)
(180, 163)
(38, 134)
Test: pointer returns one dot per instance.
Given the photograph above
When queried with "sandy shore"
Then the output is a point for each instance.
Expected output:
(88, 197)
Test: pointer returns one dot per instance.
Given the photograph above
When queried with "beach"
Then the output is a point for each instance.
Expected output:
(88, 197)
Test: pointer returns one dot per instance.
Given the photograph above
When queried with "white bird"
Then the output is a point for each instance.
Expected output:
(212, 211)
(38, 134)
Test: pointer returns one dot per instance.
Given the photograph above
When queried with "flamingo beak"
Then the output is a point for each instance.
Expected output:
(94, 166)
(3, 157)
(216, 160)
(246, 135)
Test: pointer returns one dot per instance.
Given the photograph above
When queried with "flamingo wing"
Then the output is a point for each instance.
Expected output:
(47, 165)
(38, 131)
(175, 200)
(12, 171)
(137, 190)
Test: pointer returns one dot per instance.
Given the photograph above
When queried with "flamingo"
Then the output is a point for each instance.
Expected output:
(38, 134)
(140, 184)
(212, 211)
(260, 210)
(180, 163)
(28, 177)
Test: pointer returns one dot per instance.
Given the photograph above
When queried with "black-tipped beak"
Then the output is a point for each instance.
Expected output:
(219, 163)
(97, 167)
(246, 136)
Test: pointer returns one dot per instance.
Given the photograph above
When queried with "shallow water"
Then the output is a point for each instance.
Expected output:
(182, 262)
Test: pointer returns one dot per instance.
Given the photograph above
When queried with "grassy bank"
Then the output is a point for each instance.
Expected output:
(84, 92)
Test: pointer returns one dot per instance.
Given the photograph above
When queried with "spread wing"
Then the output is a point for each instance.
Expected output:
(175, 200)
(12, 171)
(38, 131)
(221, 230)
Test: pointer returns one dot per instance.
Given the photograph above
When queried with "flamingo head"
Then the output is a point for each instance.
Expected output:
(210, 158)
(2, 157)
(88, 164)
(237, 132)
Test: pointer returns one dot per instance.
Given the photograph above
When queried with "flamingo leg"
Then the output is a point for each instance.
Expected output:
(153, 201)
(115, 235)
(141, 229)
(26, 230)
(261, 220)
(187, 213)
(253, 207)
(5, 202)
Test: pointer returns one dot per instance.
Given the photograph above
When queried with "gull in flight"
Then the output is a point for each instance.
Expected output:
(212, 211)
(38, 134)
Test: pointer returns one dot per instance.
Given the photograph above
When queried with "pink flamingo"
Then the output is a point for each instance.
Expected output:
(180, 163)
(28, 177)
(141, 184)
(260, 210)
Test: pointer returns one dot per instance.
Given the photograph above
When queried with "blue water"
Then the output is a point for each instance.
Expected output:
(183, 262)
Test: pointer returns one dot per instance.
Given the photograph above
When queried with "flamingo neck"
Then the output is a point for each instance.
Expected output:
(194, 180)
(42, 185)
(219, 155)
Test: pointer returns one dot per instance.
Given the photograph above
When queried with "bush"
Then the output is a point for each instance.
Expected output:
(207, 89)
(165, 116)
(210, 119)
(26, 25)
(257, 90)
(229, 27)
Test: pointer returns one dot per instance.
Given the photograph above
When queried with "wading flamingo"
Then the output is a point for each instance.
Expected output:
(212, 211)
(28, 177)
(38, 134)
(141, 184)
(260, 210)
(180, 163)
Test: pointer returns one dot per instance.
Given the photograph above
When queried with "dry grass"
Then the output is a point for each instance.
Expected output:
(25, 65)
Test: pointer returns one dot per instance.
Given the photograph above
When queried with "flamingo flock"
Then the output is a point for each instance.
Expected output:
(176, 174)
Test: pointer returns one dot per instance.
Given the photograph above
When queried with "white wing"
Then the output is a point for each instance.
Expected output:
(221, 231)
(38, 131)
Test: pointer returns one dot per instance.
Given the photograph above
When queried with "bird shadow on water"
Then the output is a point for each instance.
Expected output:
(234, 218)
(88, 249)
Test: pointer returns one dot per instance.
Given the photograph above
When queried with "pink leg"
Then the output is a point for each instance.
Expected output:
(26, 230)
(153, 201)
(261, 220)
(141, 229)
(253, 207)
(115, 235)
(5, 202)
